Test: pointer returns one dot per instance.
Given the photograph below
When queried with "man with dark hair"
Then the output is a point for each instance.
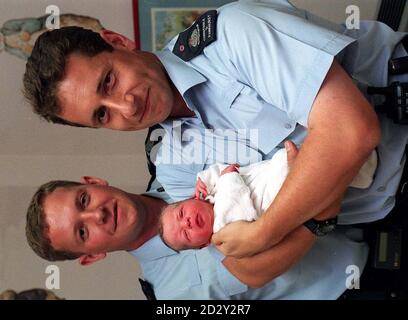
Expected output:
(79, 51)
(262, 65)
(46, 66)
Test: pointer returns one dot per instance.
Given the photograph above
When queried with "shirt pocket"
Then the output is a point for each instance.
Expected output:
(241, 98)
(246, 110)
(172, 277)
(230, 93)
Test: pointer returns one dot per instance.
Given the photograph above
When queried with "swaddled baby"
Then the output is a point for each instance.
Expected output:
(232, 193)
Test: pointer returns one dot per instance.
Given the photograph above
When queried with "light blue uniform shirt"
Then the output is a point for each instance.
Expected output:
(264, 72)
(199, 274)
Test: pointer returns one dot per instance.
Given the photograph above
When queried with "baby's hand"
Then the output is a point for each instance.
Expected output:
(200, 190)
(231, 168)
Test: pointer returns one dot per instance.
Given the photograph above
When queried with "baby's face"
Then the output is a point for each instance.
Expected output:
(188, 224)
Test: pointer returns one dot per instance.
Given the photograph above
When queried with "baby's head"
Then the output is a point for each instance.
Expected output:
(187, 224)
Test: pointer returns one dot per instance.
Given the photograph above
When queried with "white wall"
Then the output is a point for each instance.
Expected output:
(33, 152)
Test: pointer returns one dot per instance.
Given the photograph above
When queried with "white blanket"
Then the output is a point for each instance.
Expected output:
(247, 194)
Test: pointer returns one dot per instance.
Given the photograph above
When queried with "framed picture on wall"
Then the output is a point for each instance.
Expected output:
(158, 21)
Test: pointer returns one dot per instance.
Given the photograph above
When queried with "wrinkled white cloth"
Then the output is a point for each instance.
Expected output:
(246, 194)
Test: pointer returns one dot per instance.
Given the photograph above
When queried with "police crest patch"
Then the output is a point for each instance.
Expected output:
(192, 41)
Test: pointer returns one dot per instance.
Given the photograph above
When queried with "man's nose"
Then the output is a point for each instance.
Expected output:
(125, 104)
(96, 216)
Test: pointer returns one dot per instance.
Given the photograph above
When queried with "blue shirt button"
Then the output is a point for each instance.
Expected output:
(381, 189)
(288, 126)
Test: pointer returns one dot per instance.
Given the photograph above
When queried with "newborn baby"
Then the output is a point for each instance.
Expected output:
(232, 193)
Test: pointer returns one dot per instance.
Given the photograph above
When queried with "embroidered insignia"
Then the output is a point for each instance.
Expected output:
(192, 41)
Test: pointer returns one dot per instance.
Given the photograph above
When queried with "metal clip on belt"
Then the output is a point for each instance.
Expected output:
(398, 66)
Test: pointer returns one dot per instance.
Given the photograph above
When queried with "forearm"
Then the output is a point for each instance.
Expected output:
(262, 268)
(343, 130)
(310, 187)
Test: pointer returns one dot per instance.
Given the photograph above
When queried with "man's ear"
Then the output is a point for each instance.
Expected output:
(94, 180)
(88, 259)
(117, 40)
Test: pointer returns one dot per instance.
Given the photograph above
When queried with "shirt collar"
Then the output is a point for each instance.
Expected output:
(152, 249)
(181, 74)
(173, 123)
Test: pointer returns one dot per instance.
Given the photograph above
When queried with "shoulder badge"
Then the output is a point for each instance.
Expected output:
(192, 41)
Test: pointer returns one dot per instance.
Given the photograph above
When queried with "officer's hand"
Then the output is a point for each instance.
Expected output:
(242, 238)
(238, 239)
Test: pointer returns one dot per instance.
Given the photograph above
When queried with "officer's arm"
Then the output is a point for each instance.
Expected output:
(263, 267)
(258, 270)
(342, 131)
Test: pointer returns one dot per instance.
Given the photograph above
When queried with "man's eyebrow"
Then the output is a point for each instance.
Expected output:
(102, 76)
(101, 79)
(78, 207)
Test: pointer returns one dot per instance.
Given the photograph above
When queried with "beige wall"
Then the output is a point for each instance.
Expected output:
(33, 152)
(335, 10)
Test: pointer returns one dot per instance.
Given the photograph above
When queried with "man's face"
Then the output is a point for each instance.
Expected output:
(92, 219)
(119, 90)
(188, 224)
